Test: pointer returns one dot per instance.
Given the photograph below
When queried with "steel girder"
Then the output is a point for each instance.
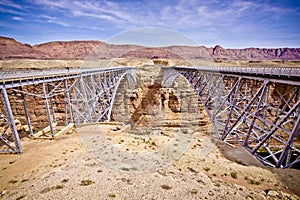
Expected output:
(11, 140)
(259, 111)
(93, 95)
(88, 95)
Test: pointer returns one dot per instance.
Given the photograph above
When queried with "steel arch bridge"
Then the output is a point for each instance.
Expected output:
(87, 94)
(258, 108)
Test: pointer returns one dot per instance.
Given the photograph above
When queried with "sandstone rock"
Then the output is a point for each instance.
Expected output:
(19, 127)
(10, 48)
(272, 193)
(126, 128)
(26, 128)
(3, 192)
(288, 196)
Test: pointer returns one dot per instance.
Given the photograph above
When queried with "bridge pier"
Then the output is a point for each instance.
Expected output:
(68, 104)
(48, 110)
(26, 112)
(9, 119)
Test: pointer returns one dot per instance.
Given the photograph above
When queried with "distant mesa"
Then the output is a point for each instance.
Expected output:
(12, 49)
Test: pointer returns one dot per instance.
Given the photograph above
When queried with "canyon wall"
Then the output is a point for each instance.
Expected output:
(11, 49)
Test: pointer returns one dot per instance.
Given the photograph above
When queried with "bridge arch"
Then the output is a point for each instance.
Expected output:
(246, 107)
(170, 79)
(65, 97)
(132, 83)
(94, 94)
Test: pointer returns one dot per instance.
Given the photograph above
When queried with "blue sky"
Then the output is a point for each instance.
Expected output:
(229, 23)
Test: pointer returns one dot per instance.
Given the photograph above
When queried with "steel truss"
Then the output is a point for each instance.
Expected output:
(87, 95)
(255, 109)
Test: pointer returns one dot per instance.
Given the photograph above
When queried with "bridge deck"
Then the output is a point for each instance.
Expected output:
(15, 78)
(263, 71)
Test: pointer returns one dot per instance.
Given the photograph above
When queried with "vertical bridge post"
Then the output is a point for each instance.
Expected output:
(11, 122)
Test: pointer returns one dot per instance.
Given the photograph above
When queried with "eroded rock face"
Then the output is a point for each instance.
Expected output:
(152, 107)
(256, 54)
(10, 48)
(78, 49)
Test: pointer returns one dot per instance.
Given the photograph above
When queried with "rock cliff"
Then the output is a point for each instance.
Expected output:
(10, 48)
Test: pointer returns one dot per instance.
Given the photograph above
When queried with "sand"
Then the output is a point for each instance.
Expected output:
(64, 168)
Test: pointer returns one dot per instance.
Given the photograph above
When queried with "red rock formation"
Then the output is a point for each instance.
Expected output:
(10, 48)
(256, 53)
(68, 50)
(151, 53)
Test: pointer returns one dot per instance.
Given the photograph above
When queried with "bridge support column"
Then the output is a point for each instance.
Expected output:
(26, 112)
(68, 103)
(286, 152)
(88, 111)
(51, 104)
(48, 110)
(11, 123)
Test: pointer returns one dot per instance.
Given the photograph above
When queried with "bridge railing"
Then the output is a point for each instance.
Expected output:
(269, 71)
(15, 78)
(7, 75)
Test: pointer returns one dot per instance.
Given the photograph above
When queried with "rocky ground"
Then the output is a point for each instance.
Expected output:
(65, 168)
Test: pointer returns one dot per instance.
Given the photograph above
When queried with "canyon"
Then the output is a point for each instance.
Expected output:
(66, 167)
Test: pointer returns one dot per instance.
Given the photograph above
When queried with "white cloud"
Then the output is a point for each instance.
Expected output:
(58, 22)
(175, 14)
(11, 8)
(55, 20)
(78, 13)
(9, 4)
(17, 18)
(109, 11)
(53, 4)
(109, 8)
(210, 18)
(47, 17)
(242, 6)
